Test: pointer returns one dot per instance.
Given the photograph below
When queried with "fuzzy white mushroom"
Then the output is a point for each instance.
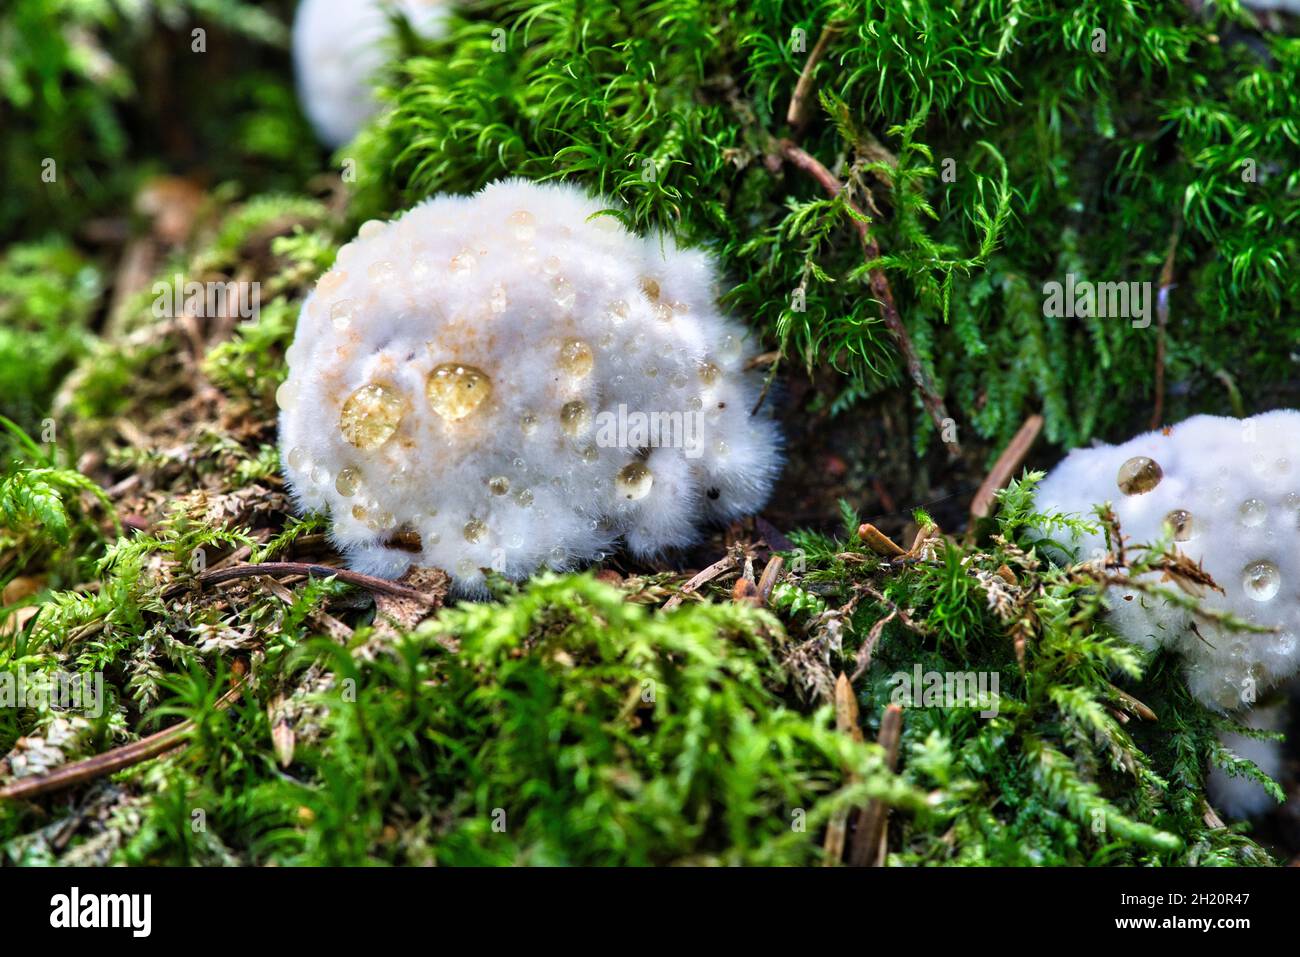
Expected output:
(338, 46)
(1228, 492)
(509, 381)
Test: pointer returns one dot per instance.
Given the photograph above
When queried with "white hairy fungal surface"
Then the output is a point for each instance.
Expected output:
(338, 46)
(509, 381)
(1228, 491)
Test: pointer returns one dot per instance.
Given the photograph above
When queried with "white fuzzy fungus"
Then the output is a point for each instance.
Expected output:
(509, 381)
(1228, 491)
(338, 46)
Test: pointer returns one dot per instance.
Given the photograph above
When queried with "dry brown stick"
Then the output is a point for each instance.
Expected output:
(879, 286)
(703, 578)
(111, 761)
(869, 838)
(272, 569)
(1162, 322)
(797, 114)
(1005, 468)
(846, 722)
(767, 581)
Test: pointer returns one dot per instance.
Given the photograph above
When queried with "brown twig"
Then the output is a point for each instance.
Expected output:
(109, 762)
(703, 578)
(869, 838)
(879, 286)
(1005, 468)
(846, 722)
(1162, 322)
(797, 114)
(310, 569)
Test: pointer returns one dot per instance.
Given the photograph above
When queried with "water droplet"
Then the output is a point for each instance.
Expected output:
(1286, 643)
(590, 454)
(634, 481)
(371, 227)
(557, 555)
(462, 264)
(528, 423)
(455, 390)
(1253, 512)
(649, 288)
(617, 310)
(347, 482)
(359, 512)
(465, 568)
(320, 475)
(651, 371)
(497, 303)
(330, 282)
(708, 372)
(680, 308)
(385, 520)
(551, 265)
(662, 311)
(1139, 475)
(730, 348)
(721, 448)
(575, 417)
(1261, 580)
(381, 272)
(576, 358)
(695, 403)
(1180, 520)
(678, 381)
(524, 224)
(564, 294)
(341, 313)
(474, 530)
(286, 396)
(431, 537)
(498, 485)
(371, 415)
(524, 498)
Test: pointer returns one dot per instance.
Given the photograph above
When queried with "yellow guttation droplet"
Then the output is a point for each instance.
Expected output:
(456, 390)
(708, 373)
(575, 417)
(634, 481)
(341, 313)
(575, 358)
(371, 415)
(650, 288)
(524, 224)
(474, 530)
(498, 485)
(347, 481)
(1139, 475)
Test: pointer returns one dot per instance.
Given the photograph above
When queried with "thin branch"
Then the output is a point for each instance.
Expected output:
(797, 114)
(703, 578)
(1005, 468)
(1162, 322)
(879, 286)
(310, 569)
(869, 840)
(110, 762)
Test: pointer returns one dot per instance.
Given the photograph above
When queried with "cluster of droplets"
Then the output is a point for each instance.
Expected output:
(1260, 578)
(485, 387)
